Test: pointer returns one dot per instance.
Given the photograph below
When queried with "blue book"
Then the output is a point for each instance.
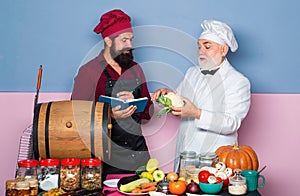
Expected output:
(113, 101)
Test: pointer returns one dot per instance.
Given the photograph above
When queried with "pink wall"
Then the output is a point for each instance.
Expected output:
(270, 129)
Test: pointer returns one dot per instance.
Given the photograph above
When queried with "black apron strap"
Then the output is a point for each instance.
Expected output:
(137, 79)
(110, 81)
(105, 70)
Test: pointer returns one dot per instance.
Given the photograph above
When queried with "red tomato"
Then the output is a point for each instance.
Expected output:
(177, 187)
(219, 179)
(203, 176)
(225, 184)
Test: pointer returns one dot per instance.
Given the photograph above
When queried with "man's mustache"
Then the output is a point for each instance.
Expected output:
(202, 57)
(126, 49)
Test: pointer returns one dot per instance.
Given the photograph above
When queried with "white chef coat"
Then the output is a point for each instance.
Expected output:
(224, 99)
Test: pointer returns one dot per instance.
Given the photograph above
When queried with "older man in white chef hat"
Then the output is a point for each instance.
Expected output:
(216, 95)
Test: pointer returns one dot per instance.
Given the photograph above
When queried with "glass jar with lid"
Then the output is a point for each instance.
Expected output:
(27, 169)
(91, 172)
(208, 159)
(70, 174)
(49, 174)
(188, 160)
(237, 183)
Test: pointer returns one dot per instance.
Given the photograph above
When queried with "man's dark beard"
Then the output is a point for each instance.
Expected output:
(124, 60)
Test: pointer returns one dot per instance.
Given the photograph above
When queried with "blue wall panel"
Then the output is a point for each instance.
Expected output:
(59, 35)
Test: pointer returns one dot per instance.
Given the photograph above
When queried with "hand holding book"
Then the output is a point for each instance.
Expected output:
(113, 101)
(125, 95)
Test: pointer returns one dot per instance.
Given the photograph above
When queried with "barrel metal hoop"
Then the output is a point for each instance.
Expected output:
(92, 130)
(105, 137)
(35, 128)
(47, 147)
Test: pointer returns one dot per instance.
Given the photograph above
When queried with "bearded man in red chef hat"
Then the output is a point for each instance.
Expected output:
(114, 73)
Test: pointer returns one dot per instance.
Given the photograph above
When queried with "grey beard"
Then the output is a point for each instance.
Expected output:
(207, 66)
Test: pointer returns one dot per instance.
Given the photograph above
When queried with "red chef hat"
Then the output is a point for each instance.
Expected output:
(113, 23)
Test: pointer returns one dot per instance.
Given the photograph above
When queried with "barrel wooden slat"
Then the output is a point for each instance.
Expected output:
(98, 132)
(41, 124)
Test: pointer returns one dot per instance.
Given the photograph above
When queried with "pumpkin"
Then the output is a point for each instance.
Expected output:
(238, 157)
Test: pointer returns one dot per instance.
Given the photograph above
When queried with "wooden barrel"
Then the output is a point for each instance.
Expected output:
(75, 128)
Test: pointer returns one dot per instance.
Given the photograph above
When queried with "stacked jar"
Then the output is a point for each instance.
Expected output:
(49, 174)
(11, 188)
(70, 174)
(33, 186)
(26, 178)
(209, 159)
(91, 171)
(27, 169)
(188, 160)
(23, 188)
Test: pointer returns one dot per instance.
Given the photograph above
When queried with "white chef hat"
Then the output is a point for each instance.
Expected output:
(219, 32)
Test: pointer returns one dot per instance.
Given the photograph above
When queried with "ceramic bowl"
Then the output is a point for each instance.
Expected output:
(210, 188)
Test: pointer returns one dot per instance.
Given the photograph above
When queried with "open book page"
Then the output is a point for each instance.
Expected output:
(113, 101)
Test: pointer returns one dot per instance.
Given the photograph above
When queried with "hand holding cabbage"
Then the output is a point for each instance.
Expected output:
(169, 100)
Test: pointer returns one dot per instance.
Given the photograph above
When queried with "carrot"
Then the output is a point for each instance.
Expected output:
(150, 188)
(147, 185)
(136, 190)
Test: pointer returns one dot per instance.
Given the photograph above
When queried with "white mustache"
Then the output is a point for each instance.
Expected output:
(209, 64)
(202, 57)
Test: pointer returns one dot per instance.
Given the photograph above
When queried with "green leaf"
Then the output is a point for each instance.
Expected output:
(168, 110)
(165, 110)
(168, 101)
(161, 112)
(161, 99)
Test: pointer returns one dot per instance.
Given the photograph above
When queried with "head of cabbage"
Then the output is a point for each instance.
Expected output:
(169, 100)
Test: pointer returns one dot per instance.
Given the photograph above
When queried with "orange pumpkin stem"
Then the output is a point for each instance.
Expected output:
(235, 146)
